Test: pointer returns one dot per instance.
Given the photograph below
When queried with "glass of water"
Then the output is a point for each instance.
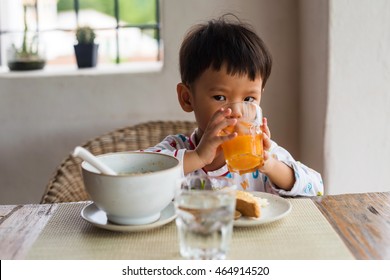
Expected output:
(205, 213)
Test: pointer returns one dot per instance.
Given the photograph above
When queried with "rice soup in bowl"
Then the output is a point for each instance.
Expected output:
(144, 186)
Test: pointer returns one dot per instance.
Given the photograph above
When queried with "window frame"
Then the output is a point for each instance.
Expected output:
(76, 8)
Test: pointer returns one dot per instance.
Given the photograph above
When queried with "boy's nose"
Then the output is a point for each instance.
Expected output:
(236, 110)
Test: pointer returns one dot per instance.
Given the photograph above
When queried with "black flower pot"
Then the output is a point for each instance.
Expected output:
(86, 55)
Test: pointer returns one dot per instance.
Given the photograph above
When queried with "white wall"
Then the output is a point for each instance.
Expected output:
(43, 119)
(345, 93)
(357, 132)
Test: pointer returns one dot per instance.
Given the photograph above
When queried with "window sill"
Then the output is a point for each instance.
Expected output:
(53, 71)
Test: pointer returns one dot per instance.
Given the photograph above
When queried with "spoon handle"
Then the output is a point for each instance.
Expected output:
(91, 159)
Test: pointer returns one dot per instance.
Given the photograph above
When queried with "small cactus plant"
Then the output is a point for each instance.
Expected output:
(86, 50)
(85, 35)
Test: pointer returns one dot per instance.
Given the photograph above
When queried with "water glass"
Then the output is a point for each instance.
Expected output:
(205, 212)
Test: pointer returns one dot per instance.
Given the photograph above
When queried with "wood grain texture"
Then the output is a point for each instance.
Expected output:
(362, 221)
(20, 225)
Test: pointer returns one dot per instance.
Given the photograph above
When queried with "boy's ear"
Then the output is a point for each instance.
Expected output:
(184, 97)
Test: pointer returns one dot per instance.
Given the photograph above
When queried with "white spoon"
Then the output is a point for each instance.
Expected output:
(92, 160)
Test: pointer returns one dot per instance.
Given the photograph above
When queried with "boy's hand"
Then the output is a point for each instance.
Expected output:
(266, 143)
(279, 173)
(211, 140)
(266, 135)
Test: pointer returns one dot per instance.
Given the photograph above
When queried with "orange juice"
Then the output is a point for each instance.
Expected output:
(244, 153)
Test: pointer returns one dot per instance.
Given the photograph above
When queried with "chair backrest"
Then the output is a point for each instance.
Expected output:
(67, 185)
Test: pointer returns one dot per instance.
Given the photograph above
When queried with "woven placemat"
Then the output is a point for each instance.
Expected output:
(303, 234)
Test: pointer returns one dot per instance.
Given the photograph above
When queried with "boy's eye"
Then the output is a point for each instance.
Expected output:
(249, 99)
(219, 97)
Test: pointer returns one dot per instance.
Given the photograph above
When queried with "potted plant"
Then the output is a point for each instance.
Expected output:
(86, 50)
(29, 55)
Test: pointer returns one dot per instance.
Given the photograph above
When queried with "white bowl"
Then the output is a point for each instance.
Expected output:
(144, 186)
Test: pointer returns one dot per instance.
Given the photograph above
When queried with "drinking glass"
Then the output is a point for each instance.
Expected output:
(205, 212)
(244, 153)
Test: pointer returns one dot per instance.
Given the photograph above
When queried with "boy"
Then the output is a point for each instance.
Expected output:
(223, 62)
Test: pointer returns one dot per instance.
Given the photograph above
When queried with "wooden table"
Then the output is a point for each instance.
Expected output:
(361, 220)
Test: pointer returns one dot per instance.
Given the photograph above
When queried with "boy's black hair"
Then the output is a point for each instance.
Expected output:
(221, 42)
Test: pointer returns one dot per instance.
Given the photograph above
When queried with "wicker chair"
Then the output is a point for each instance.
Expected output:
(67, 184)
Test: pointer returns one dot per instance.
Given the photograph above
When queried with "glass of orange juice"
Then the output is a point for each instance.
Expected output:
(244, 153)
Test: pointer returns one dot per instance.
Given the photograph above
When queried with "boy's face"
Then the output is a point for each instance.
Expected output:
(213, 89)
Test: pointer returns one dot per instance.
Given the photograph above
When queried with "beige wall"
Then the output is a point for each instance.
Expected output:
(357, 131)
(44, 118)
(313, 26)
(345, 93)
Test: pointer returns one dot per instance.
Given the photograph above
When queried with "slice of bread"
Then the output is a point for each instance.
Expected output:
(247, 204)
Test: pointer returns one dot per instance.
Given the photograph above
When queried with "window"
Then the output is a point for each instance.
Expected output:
(126, 30)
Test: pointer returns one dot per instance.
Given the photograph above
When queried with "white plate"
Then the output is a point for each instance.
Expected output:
(98, 218)
(277, 208)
